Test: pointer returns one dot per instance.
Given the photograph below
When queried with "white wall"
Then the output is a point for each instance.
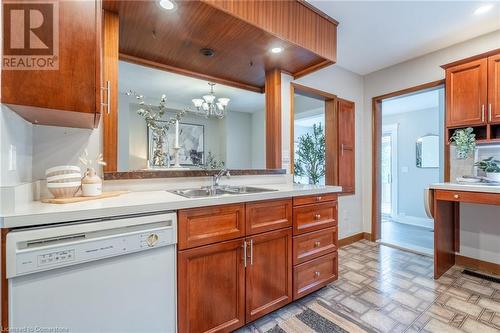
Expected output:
(16, 132)
(238, 140)
(412, 73)
(412, 180)
(347, 85)
(259, 139)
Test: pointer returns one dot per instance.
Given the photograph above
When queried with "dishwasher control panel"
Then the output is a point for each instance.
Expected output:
(44, 255)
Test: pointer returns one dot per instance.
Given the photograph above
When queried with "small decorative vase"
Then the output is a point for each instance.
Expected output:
(493, 176)
(91, 184)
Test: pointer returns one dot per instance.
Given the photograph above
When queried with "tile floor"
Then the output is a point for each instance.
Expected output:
(390, 290)
(408, 236)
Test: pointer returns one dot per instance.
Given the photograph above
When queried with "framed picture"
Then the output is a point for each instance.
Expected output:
(191, 143)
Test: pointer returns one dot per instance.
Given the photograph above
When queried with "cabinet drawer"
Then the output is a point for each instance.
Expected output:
(469, 197)
(314, 244)
(268, 215)
(201, 226)
(314, 274)
(314, 217)
(310, 199)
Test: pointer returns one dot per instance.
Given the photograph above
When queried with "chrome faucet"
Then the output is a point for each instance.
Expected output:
(216, 178)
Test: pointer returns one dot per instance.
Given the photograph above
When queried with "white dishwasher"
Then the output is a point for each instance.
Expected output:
(111, 275)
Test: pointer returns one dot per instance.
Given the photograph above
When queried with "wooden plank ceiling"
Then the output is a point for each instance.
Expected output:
(175, 38)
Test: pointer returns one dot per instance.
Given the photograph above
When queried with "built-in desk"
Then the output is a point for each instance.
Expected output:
(446, 203)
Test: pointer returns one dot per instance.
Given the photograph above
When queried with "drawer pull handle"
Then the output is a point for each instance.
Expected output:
(317, 274)
(317, 216)
(456, 196)
(318, 198)
(317, 244)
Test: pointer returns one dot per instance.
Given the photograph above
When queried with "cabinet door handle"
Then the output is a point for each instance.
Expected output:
(317, 274)
(317, 216)
(482, 113)
(251, 251)
(342, 150)
(318, 199)
(489, 112)
(456, 196)
(317, 244)
(107, 88)
(244, 253)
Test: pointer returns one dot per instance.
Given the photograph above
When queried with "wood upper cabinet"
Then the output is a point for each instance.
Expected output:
(211, 288)
(467, 93)
(494, 88)
(70, 95)
(346, 144)
(268, 215)
(269, 272)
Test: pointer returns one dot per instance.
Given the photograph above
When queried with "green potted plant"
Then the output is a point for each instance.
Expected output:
(310, 155)
(465, 142)
(491, 167)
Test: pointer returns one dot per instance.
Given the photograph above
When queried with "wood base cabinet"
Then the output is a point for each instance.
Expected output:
(211, 288)
(268, 273)
(315, 242)
(236, 262)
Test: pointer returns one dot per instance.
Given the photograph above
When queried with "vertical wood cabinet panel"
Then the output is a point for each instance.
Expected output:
(269, 273)
(466, 93)
(346, 142)
(494, 89)
(211, 288)
(70, 95)
(268, 215)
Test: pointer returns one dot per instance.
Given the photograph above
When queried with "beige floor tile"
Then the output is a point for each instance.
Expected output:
(406, 299)
(485, 290)
(462, 306)
(472, 326)
(379, 320)
(437, 326)
(489, 304)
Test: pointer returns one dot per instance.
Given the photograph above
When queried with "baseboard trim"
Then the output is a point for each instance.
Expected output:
(484, 266)
(354, 238)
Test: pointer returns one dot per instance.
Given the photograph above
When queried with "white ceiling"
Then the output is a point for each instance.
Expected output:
(409, 103)
(180, 90)
(376, 34)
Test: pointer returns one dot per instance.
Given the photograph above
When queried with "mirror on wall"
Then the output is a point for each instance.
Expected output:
(196, 125)
(427, 151)
(308, 139)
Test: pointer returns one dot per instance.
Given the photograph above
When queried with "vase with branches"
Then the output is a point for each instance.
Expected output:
(159, 124)
(310, 155)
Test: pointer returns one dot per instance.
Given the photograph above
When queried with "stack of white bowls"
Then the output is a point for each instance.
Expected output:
(64, 181)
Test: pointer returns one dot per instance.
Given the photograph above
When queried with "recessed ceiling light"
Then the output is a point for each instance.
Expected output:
(483, 9)
(168, 4)
(277, 49)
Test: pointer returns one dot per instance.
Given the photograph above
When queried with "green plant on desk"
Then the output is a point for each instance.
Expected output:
(489, 165)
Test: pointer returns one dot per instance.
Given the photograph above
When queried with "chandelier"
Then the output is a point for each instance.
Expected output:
(209, 106)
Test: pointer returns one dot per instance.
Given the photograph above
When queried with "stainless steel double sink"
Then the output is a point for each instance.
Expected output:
(215, 191)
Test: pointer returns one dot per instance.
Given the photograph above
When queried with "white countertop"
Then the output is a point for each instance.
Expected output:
(465, 187)
(37, 213)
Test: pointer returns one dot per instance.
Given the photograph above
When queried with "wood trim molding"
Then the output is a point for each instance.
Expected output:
(273, 119)
(186, 72)
(111, 26)
(313, 68)
(485, 266)
(312, 92)
(354, 238)
(331, 142)
(376, 147)
(469, 59)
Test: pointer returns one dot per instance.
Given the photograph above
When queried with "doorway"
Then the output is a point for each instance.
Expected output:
(389, 204)
(409, 155)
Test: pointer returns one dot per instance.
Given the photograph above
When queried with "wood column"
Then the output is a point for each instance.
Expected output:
(331, 142)
(273, 119)
(110, 73)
